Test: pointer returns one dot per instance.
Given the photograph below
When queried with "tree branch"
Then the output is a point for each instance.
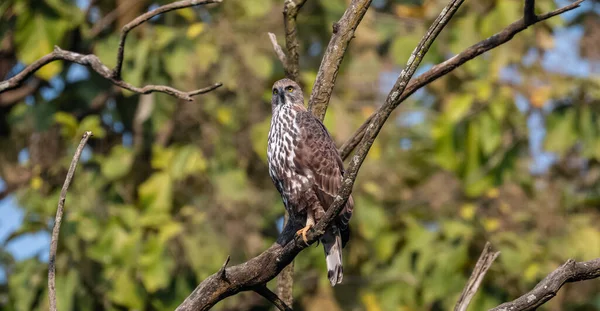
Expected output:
(279, 51)
(343, 32)
(146, 16)
(58, 220)
(290, 12)
(529, 16)
(114, 76)
(483, 264)
(449, 65)
(570, 271)
(272, 297)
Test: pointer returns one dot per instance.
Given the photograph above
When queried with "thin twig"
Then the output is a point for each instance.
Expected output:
(146, 16)
(223, 267)
(570, 271)
(92, 61)
(449, 65)
(343, 32)
(110, 17)
(272, 297)
(58, 220)
(529, 16)
(484, 263)
(278, 50)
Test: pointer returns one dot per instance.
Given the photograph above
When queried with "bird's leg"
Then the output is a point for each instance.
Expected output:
(310, 222)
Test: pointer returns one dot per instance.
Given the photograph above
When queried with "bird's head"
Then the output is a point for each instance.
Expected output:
(286, 92)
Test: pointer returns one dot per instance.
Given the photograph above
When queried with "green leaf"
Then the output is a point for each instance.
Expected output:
(458, 106)
(118, 163)
(187, 160)
(561, 135)
(69, 123)
(125, 291)
(92, 123)
(36, 36)
(66, 285)
(490, 133)
(156, 193)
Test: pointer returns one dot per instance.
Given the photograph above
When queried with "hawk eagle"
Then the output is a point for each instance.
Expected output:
(307, 170)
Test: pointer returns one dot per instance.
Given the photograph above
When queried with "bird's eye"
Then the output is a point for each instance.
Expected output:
(289, 89)
(275, 92)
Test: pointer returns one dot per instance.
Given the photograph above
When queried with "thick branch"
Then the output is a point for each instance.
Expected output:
(483, 264)
(273, 298)
(570, 271)
(146, 16)
(444, 68)
(290, 12)
(92, 61)
(114, 76)
(58, 220)
(343, 32)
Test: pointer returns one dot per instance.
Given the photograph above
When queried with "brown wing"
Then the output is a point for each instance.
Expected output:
(317, 156)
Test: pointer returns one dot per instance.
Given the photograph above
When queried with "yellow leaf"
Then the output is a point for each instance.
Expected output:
(194, 30)
(187, 14)
(224, 115)
(491, 224)
(412, 11)
(531, 272)
(370, 302)
(49, 70)
(467, 211)
(36, 183)
(493, 193)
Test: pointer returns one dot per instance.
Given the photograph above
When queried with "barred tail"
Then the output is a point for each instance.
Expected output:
(332, 243)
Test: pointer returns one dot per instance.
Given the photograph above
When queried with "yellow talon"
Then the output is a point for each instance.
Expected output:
(303, 233)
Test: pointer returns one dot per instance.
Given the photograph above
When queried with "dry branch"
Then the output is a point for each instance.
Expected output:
(114, 76)
(290, 12)
(483, 264)
(343, 32)
(447, 66)
(273, 298)
(570, 271)
(58, 221)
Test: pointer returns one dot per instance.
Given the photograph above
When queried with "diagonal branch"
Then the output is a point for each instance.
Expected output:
(570, 271)
(485, 261)
(447, 66)
(272, 297)
(113, 76)
(146, 16)
(343, 32)
(58, 220)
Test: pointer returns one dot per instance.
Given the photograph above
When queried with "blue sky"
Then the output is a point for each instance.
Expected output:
(562, 59)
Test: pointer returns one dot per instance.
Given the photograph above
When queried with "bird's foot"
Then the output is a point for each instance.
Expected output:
(303, 233)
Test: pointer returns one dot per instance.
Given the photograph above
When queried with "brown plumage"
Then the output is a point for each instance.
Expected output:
(307, 170)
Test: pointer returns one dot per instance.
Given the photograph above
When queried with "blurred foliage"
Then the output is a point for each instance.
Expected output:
(167, 189)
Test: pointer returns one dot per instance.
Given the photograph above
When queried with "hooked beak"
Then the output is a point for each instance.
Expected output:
(281, 97)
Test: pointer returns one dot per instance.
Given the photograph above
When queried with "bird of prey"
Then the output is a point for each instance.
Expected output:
(307, 170)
